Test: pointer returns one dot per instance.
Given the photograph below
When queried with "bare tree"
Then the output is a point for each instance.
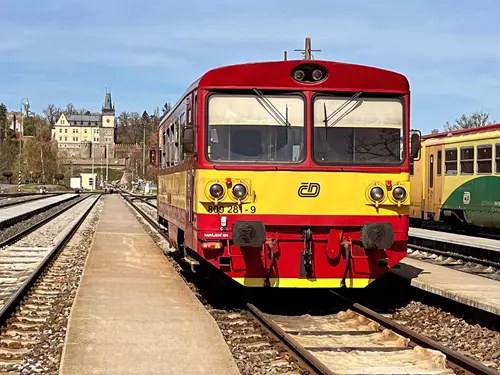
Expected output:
(70, 110)
(434, 131)
(52, 114)
(475, 120)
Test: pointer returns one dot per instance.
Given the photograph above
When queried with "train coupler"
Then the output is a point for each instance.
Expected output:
(306, 255)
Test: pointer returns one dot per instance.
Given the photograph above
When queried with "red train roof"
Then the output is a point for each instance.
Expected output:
(341, 76)
(481, 129)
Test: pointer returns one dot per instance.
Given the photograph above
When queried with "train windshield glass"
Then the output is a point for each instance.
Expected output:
(358, 130)
(256, 128)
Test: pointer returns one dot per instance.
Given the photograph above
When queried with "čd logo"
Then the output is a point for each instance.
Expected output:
(308, 189)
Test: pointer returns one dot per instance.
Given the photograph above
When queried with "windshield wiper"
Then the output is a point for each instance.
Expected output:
(347, 102)
(271, 109)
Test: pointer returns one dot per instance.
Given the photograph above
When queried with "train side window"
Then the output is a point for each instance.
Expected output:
(466, 160)
(431, 171)
(439, 162)
(497, 158)
(484, 159)
(451, 161)
(182, 123)
(412, 168)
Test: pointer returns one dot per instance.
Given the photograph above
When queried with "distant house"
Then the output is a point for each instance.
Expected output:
(77, 135)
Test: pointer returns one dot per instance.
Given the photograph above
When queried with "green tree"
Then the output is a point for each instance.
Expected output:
(4, 122)
(31, 123)
(40, 155)
(474, 120)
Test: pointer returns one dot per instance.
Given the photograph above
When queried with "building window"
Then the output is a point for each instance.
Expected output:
(77, 139)
(497, 158)
(466, 160)
(65, 130)
(65, 138)
(85, 131)
(484, 158)
(450, 161)
(60, 138)
(439, 162)
(60, 130)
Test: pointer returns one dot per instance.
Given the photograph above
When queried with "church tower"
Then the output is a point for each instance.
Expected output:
(108, 112)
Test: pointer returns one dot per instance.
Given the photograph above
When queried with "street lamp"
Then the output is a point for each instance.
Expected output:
(25, 104)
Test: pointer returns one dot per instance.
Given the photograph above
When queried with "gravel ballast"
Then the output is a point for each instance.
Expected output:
(32, 340)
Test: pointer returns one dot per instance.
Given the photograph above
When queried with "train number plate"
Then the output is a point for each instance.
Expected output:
(231, 209)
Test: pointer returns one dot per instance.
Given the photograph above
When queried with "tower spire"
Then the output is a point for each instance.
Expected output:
(108, 106)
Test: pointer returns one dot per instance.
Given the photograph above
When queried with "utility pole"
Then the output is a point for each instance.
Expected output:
(307, 51)
(43, 170)
(107, 161)
(93, 177)
(144, 152)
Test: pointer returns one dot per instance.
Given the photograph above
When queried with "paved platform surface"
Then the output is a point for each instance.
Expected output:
(133, 314)
(462, 287)
(456, 239)
(12, 212)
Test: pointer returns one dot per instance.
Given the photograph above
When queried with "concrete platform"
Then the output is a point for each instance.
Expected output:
(133, 313)
(455, 239)
(472, 290)
(11, 213)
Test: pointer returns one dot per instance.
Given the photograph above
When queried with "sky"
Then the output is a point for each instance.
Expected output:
(148, 52)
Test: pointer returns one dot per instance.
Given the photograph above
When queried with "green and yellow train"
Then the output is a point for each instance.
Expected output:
(456, 181)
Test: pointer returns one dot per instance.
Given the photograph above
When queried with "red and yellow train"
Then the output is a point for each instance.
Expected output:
(289, 173)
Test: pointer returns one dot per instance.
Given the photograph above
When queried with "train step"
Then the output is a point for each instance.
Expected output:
(193, 263)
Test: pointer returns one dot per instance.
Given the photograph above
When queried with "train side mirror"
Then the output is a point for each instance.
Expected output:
(415, 144)
(188, 140)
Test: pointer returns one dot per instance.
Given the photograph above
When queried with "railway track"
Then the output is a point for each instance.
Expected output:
(10, 216)
(354, 341)
(7, 202)
(350, 341)
(26, 298)
(460, 262)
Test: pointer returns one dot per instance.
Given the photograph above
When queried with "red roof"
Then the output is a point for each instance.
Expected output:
(481, 129)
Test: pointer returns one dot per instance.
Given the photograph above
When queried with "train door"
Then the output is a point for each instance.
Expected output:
(433, 186)
(189, 235)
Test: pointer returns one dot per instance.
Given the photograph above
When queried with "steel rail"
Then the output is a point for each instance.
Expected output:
(14, 301)
(10, 204)
(291, 343)
(452, 356)
(14, 220)
(467, 258)
(145, 216)
(30, 229)
(13, 195)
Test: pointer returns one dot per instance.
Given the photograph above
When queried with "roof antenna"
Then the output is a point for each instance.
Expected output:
(307, 51)
(285, 57)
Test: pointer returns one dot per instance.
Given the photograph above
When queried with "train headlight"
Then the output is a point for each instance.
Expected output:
(377, 194)
(317, 74)
(299, 75)
(216, 191)
(399, 193)
(239, 191)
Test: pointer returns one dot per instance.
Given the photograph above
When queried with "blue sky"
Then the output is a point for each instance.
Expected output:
(148, 52)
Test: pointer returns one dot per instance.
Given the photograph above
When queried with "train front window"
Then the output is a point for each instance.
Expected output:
(358, 130)
(249, 128)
